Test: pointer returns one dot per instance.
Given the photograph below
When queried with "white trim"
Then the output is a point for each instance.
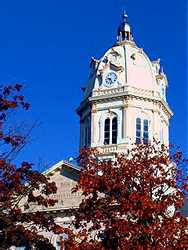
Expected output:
(59, 165)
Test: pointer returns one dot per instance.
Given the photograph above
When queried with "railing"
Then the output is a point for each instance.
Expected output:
(108, 149)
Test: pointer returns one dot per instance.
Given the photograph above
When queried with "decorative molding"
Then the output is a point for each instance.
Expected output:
(125, 105)
(131, 43)
(133, 95)
(114, 52)
(124, 89)
(141, 50)
(94, 108)
(115, 67)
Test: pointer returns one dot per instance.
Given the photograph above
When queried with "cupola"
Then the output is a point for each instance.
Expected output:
(124, 30)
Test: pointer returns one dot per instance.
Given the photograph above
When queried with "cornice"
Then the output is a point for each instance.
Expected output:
(58, 166)
(124, 92)
(122, 89)
(119, 96)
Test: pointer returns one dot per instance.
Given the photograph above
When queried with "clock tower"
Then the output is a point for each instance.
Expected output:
(124, 101)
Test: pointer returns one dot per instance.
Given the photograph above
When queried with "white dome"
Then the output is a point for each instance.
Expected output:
(131, 65)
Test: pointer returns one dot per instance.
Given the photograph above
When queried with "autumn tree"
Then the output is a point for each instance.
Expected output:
(19, 184)
(130, 202)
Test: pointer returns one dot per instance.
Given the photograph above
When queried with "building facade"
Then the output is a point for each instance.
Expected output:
(124, 101)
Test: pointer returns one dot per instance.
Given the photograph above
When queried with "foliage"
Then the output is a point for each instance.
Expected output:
(19, 184)
(130, 202)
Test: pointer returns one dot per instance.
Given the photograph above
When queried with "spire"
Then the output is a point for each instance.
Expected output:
(125, 17)
(124, 30)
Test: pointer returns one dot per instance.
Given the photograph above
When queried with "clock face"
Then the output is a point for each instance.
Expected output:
(110, 79)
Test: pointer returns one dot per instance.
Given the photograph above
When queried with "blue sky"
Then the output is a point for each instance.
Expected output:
(47, 45)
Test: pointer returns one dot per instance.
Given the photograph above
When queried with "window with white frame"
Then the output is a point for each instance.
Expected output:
(107, 131)
(142, 131)
(110, 130)
(114, 130)
(146, 131)
(138, 130)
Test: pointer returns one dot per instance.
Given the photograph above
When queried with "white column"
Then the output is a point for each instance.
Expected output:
(119, 127)
(93, 127)
(124, 120)
(155, 128)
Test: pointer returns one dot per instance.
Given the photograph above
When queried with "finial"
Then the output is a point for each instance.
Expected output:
(125, 16)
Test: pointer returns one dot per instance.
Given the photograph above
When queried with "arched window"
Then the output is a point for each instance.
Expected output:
(138, 130)
(146, 131)
(110, 130)
(114, 130)
(107, 131)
